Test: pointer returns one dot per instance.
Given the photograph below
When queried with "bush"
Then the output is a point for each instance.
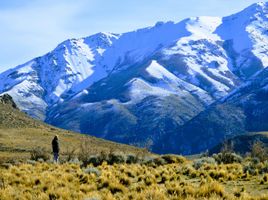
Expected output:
(250, 169)
(132, 159)
(258, 150)
(188, 170)
(254, 167)
(95, 160)
(70, 153)
(84, 152)
(227, 158)
(92, 170)
(201, 161)
(155, 161)
(264, 168)
(114, 158)
(255, 160)
(170, 159)
(39, 153)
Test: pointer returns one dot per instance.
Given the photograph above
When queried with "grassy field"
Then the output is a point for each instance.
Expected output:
(17, 143)
(20, 134)
(183, 179)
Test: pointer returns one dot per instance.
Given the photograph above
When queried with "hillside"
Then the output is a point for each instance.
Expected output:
(142, 87)
(242, 111)
(242, 144)
(20, 134)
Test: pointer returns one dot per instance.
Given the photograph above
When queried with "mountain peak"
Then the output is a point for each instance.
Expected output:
(256, 8)
(101, 38)
(262, 5)
(162, 23)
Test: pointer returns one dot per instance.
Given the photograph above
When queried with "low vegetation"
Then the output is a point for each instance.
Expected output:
(115, 175)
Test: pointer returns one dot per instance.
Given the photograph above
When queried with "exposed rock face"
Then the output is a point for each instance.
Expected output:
(8, 100)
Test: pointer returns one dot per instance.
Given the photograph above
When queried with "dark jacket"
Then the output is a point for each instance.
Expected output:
(55, 145)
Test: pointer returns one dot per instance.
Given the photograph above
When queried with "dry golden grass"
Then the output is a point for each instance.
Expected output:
(18, 143)
(20, 134)
(131, 181)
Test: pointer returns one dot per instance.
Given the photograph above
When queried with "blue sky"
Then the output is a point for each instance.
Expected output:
(31, 28)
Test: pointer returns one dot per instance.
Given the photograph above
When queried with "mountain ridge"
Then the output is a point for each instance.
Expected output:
(141, 86)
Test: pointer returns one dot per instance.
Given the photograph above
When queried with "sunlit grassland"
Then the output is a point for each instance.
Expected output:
(133, 181)
(17, 143)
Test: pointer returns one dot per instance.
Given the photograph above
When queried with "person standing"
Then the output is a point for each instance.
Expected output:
(56, 148)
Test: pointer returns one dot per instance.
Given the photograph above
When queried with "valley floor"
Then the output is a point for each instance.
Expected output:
(183, 179)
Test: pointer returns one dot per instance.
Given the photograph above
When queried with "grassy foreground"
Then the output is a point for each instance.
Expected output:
(175, 179)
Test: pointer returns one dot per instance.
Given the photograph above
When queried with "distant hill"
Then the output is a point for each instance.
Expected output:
(19, 134)
(242, 144)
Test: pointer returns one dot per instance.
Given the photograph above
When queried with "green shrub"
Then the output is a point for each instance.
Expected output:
(155, 161)
(95, 160)
(92, 170)
(114, 158)
(227, 158)
(132, 159)
(170, 159)
(250, 169)
(201, 161)
(70, 154)
(258, 150)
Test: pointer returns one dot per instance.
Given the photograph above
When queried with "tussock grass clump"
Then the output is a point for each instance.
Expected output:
(264, 179)
(211, 189)
(217, 174)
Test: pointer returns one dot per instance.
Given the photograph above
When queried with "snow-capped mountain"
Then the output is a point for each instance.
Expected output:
(42, 81)
(139, 87)
(243, 110)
